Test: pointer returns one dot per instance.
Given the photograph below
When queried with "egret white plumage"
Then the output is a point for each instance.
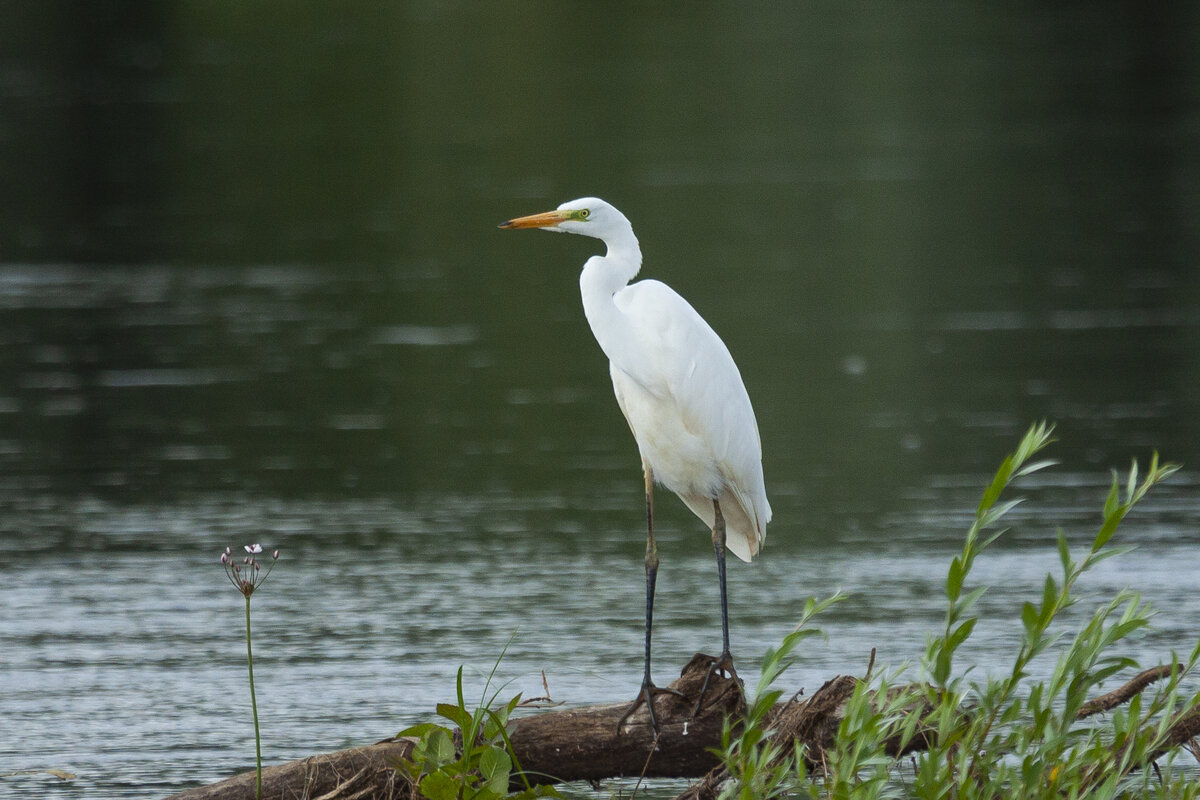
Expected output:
(683, 397)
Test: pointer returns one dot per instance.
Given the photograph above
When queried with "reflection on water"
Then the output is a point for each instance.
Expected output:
(251, 290)
(284, 379)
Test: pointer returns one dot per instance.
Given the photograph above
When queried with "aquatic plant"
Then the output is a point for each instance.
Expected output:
(246, 576)
(760, 767)
(482, 764)
(997, 737)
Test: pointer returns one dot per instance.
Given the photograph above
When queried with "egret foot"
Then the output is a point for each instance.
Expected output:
(724, 666)
(645, 698)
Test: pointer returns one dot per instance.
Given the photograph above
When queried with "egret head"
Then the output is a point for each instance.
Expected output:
(589, 216)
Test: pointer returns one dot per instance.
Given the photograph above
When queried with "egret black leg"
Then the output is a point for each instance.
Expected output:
(724, 662)
(646, 693)
(718, 539)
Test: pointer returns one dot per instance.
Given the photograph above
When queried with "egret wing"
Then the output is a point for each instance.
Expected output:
(684, 359)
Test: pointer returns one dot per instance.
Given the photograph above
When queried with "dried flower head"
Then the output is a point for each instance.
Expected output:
(248, 575)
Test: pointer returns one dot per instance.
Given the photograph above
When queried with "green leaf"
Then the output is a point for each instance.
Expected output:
(992, 493)
(986, 543)
(508, 748)
(495, 766)
(1030, 618)
(954, 579)
(1106, 532)
(458, 686)
(993, 515)
(1035, 439)
(1113, 500)
(1049, 598)
(532, 792)
(1064, 552)
(971, 597)
(961, 633)
(1036, 466)
(438, 786)
(439, 746)
(1102, 673)
(418, 730)
(941, 669)
(455, 714)
(1110, 552)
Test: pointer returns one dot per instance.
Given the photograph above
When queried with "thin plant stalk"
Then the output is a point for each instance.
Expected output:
(254, 707)
(246, 577)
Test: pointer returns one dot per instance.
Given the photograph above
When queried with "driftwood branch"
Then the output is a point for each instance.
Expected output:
(585, 743)
(1124, 693)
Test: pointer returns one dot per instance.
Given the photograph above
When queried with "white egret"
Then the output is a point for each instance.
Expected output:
(682, 395)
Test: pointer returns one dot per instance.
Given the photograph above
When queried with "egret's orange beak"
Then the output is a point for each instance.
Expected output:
(544, 220)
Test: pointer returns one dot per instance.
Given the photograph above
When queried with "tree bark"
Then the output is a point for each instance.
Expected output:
(586, 743)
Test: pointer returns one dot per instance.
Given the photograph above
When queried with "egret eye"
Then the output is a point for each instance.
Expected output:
(583, 213)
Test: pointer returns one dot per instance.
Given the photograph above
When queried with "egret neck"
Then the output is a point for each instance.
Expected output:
(602, 277)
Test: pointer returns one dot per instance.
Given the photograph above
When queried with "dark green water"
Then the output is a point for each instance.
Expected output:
(252, 289)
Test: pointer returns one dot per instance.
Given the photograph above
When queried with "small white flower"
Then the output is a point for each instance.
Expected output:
(253, 549)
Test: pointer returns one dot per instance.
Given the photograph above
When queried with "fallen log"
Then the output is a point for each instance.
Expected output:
(569, 745)
(586, 744)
